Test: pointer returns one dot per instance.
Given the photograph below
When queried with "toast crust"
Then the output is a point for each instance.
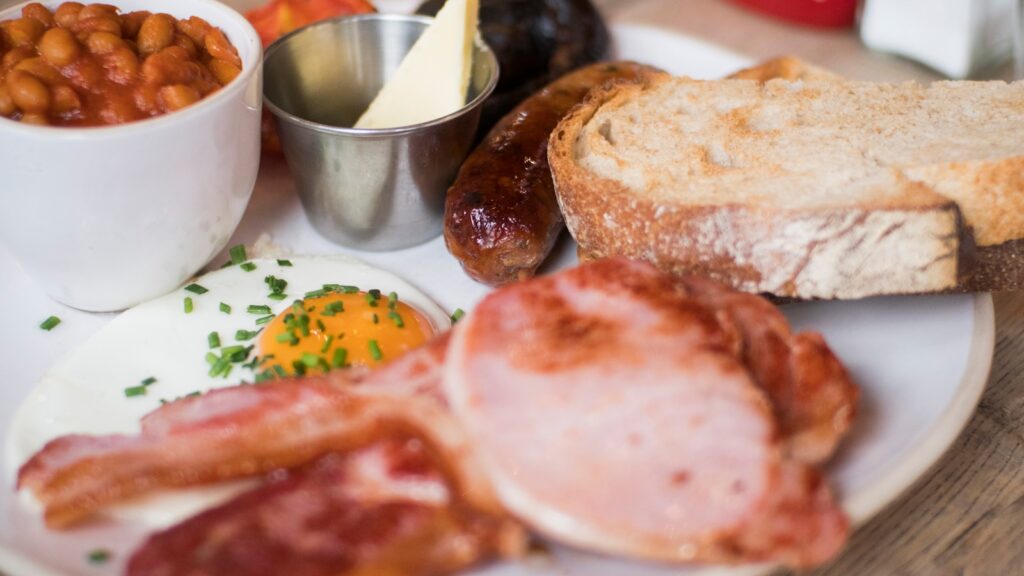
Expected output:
(813, 252)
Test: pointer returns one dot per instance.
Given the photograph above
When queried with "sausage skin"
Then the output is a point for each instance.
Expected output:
(501, 217)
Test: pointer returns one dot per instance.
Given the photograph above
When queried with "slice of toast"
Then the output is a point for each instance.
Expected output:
(812, 188)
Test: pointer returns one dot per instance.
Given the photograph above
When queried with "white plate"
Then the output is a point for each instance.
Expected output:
(922, 361)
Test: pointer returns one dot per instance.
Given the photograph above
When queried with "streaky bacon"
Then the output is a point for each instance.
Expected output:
(251, 429)
(387, 508)
(615, 411)
(813, 397)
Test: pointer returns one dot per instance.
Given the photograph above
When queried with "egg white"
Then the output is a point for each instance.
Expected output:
(83, 393)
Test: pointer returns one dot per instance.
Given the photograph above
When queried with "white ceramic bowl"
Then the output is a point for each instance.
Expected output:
(104, 218)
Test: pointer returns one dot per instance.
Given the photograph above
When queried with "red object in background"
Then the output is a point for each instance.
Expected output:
(825, 13)
(278, 17)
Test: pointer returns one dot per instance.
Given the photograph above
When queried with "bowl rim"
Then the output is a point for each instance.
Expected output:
(239, 83)
(286, 116)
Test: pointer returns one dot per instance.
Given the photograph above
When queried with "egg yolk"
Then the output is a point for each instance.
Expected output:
(337, 330)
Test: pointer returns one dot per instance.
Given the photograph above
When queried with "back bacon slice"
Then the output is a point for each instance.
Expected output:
(384, 509)
(613, 410)
(250, 430)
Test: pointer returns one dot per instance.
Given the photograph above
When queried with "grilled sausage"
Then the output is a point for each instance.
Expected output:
(501, 217)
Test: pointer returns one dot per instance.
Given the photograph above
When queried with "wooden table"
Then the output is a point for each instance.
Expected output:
(966, 516)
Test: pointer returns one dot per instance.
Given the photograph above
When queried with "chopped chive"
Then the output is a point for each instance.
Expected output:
(260, 309)
(304, 324)
(310, 360)
(213, 339)
(349, 289)
(264, 319)
(236, 353)
(282, 262)
(288, 337)
(188, 304)
(320, 325)
(196, 289)
(315, 293)
(278, 370)
(333, 308)
(277, 296)
(211, 357)
(376, 320)
(243, 335)
(135, 391)
(265, 375)
(327, 344)
(237, 254)
(396, 318)
(297, 307)
(193, 394)
(274, 283)
(375, 352)
(340, 355)
(50, 323)
(225, 308)
(222, 364)
(98, 556)
(298, 367)
(375, 293)
(457, 315)
(247, 266)
(371, 299)
(392, 300)
(333, 287)
(149, 381)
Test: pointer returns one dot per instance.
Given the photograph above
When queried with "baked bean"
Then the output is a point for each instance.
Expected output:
(93, 10)
(38, 12)
(86, 26)
(168, 66)
(15, 55)
(157, 33)
(24, 31)
(103, 43)
(122, 66)
(65, 100)
(177, 96)
(41, 69)
(186, 43)
(28, 92)
(223, 71)
(85, 65)
(86, 74)
(195, 28)
(7, 107)
(146, 98)
(218, 47)
(120, 110)
(67, 14)
(132, 21)
(37, 118)
(59, 47)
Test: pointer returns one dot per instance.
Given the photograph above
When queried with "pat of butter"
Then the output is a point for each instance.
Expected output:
(432, 79)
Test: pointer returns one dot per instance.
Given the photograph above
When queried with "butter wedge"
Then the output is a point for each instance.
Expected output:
(432, 79)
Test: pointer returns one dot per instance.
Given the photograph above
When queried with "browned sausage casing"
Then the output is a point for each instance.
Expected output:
(501, 217)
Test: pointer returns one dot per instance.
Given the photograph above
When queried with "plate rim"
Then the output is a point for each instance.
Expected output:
(940, 436)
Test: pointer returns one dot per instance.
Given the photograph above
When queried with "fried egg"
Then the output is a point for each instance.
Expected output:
(248, 322)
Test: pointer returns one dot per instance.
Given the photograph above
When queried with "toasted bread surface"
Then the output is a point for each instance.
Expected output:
(810, 189)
